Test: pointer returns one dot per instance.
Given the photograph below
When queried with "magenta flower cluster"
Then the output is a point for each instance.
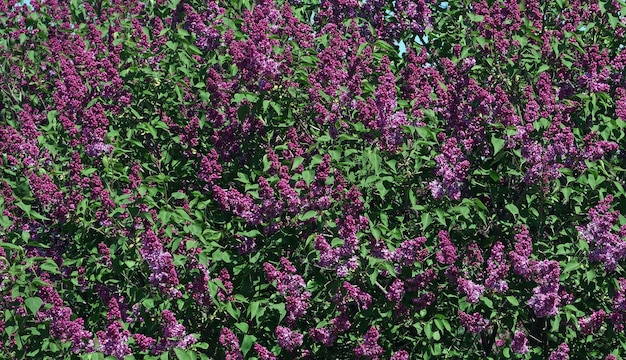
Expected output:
(607, 247)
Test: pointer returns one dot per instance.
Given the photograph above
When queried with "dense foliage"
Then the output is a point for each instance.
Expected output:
(408, 179)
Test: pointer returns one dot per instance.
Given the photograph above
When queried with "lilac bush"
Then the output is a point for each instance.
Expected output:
(311, 179)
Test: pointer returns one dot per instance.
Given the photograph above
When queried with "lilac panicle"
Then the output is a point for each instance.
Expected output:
(592, 323)
(561, 353)
(369, 349)
(497, 269)
(606, 246)
(231, 343)
(471, 289)
(519, 345)
(288, 339)
(447, 255)
(474, 323)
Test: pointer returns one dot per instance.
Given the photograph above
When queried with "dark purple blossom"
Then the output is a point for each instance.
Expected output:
(369, 349)
(263, 353)
(471, 289)
(592, 323)
(447, 255)
(452, 167)
(288, 339)
(497, 269)
(519, 345)
(231, 343)
(474, 323)
(561, 353)
(606, 246)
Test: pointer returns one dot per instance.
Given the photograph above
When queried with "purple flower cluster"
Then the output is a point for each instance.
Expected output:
(447, 255)
(241, 205)
(369, 349)
(97, 149)
(291, 286)
(452, 167)
(143, 342)
(520, 257)
(207, 36)
(210, 168)
(231, 343)
(352, 293)
(519, 345)
(161, 264)
(592, 323)
(225, 294)
(497, 269)
(322, 336)
(396, 291)
(410, 252)
(561, 353)
(606, 246)
(263, 353)
(114, 341)
(474, 323)
(400, 355)
(471, 289)
(105, 253)
(327, 336)
(546, 298)
(174, 334)
(618, 316)
(288, 339)
(61, 325)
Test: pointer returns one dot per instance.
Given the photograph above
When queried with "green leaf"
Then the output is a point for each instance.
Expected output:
(308, 176)
(50, 266)
(247, 343)
(375, 160)
(242, 326)
(308, 215)
(497, 143)
(297, 161)
(33, 304)
(183, 354)
(382, 190)
(574, 265)
(512, 208)
(178, 195)
(475, 18)
(512, 300)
